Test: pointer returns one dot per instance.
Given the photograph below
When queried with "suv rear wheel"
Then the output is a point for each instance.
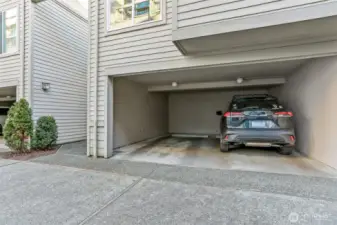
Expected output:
(286, 150)
(224, 146)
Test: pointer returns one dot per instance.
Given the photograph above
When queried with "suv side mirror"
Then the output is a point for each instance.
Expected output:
(219, 113)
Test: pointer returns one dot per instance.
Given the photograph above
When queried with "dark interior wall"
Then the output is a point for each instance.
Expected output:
(311, 94)
(138, 114)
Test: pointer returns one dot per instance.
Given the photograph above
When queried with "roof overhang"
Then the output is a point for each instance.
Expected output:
(280, 28)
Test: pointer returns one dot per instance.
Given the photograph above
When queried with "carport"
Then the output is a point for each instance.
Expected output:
(169, 117)
(7, 99)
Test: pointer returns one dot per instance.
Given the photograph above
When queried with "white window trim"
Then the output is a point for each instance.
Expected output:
(139, 26)
(7, 54)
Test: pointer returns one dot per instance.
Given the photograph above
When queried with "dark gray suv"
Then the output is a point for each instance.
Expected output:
(258, 121)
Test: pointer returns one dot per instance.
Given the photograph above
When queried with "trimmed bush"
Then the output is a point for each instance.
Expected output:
(46, 133)
(19, 126)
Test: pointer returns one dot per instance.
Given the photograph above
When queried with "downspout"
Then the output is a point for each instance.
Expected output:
(96, 79)
(22, 51)
(30, 56)
(89, 80)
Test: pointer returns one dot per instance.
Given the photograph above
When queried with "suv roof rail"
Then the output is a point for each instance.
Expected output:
(236, 97)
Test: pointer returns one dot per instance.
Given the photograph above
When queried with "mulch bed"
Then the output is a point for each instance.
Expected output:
(29, 155)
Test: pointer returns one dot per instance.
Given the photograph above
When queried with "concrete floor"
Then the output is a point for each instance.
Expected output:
(204, 153)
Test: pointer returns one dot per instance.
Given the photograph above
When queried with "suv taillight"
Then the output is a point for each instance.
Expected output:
(284, 114)
(233, 114)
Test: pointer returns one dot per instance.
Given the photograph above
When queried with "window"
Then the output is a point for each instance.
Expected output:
(126, 13)
(9, 31)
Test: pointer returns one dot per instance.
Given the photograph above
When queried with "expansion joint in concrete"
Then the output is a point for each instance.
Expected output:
(113, 200)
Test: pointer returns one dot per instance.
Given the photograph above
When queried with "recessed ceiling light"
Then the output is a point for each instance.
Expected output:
(174, 84)
(239, 80)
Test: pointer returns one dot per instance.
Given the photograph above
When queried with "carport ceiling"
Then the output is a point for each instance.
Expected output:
(7, 91)
(221, 73)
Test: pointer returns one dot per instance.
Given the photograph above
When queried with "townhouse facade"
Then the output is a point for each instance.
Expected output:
(163, 67)
(43, 58)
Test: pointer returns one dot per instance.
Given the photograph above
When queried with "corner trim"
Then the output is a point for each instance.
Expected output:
(292, 15)
(30, 56)
(95, 83)
(22, 47)
(89, 80)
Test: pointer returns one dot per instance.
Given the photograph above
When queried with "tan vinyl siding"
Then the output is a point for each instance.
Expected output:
(196, 12)
(154, 44)
(60, 58)
(143, 45)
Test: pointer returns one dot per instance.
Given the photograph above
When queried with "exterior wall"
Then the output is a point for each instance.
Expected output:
(60, 55)
(152, 49)
(138, 114)
(195, 12)
(195, 112)
(311, 94)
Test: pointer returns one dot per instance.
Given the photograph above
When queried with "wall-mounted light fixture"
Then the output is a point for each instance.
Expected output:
(45, 86)
(174, 84)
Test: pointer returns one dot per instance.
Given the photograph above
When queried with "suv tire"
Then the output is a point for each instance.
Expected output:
(286, 150)
(224, 146)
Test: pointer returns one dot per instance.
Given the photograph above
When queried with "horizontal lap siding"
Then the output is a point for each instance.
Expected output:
(148, 44)
(197, 12)
(10, 65)
(60, 58)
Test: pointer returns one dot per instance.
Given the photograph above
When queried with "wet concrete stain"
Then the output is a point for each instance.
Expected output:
(146, 148)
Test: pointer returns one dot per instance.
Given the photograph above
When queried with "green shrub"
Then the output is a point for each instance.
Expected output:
(46, 133)
(19, 126)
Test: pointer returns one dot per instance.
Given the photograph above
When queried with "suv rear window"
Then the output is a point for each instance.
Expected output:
(243, 104)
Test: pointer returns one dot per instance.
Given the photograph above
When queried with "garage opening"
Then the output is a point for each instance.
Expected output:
(7, 99)
(171, 117)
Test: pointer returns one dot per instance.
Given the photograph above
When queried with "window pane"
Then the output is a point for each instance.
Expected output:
(120, 13)
(10, 43)
(146, 11)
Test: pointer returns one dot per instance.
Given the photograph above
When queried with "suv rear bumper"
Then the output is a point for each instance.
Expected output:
(280, 137)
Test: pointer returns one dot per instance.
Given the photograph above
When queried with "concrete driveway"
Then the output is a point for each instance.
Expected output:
(205, 153)
(74, 189)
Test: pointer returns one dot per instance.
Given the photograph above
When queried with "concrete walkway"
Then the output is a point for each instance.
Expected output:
(74, 189)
